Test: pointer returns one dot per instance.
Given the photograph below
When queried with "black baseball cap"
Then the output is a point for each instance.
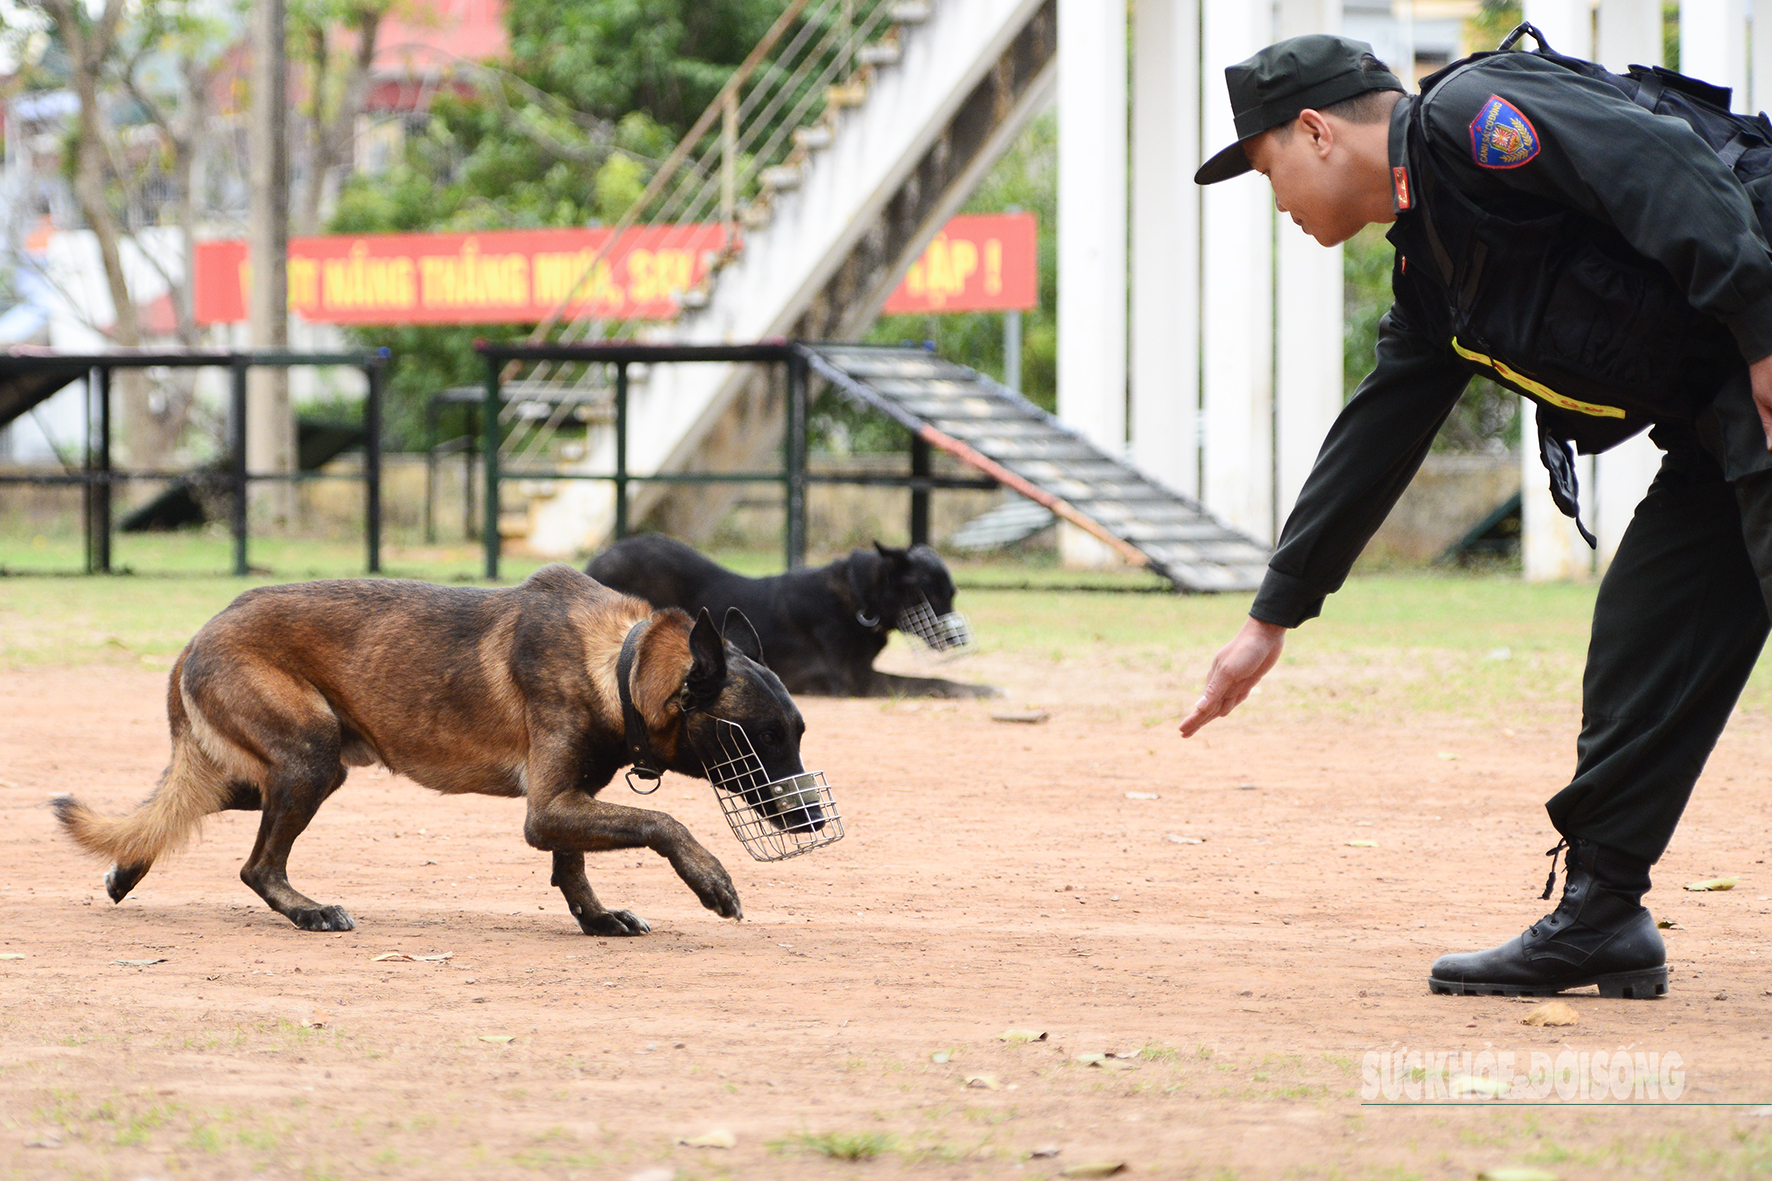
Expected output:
(1297, 74)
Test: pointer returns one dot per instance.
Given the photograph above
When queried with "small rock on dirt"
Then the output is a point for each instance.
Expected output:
(1026, 717)
(1552, 1013)
(1044, 1152)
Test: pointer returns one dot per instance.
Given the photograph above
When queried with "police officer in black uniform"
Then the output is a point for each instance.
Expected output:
(1553, 233)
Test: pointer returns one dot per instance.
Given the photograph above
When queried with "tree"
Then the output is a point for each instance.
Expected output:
(149, 66)
(336, 41)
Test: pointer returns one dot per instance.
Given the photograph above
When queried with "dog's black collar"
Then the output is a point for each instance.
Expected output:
(647, 764)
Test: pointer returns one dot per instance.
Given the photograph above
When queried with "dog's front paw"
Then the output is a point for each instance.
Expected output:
(325, 918)
(715, 889)
(613, 923)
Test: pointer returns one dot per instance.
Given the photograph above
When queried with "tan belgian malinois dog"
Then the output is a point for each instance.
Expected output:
(507, 692)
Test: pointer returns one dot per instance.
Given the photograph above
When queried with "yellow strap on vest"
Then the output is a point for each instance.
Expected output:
(1537, 389)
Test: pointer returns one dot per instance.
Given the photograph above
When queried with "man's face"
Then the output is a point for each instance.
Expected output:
(1312, 178)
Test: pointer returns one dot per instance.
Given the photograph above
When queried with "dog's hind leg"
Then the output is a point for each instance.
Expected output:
(290, 800)
(283, 747)
(593, 918)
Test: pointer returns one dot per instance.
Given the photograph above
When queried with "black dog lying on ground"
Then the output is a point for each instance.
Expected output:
(821, 628)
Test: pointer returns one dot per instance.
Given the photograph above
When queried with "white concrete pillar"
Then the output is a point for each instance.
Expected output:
(1092, 234)
(1713, 44)
(1308, 292)
(1237, 334)
(1760, 84)
(1629, 34)
(1567, 24)
(1166, 79)
(1551, 547)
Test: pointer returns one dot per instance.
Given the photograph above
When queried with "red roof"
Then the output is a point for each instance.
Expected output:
(426, 37)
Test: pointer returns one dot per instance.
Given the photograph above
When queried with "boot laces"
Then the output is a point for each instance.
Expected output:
(1551, 881)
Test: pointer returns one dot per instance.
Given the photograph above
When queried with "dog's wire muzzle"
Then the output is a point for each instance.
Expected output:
(948, 634)
(774, 819)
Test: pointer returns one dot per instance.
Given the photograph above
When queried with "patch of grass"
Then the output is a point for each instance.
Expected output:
(850, 1146)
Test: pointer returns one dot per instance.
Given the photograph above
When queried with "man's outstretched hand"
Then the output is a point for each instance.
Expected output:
(1235, 671)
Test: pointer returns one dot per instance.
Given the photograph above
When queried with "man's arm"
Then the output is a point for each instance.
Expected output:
(1372, 452)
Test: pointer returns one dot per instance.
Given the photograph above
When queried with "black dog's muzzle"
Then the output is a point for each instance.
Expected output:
(948, 633)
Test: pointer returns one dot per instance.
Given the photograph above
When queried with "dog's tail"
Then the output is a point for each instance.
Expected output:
(191, 789)
(193, 786)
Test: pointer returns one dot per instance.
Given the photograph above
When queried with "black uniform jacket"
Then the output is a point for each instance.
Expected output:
(1522, 135)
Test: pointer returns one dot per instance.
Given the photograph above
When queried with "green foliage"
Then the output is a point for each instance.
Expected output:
(666, 58)
(1493, 20)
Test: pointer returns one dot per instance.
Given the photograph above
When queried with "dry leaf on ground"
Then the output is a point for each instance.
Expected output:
(983, 1082)
(1552, 1013)
(1715, 884)
(1022, 1035)
(712, 1138)
(1104, 1168)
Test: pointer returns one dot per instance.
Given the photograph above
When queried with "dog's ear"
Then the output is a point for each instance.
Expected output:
(894, 556)
(867, 579)
(741, 635)
(707, 661)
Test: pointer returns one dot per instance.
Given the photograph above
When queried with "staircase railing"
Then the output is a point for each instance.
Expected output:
(753, 142)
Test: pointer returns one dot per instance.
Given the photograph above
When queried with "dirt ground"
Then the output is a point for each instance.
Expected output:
(994, 877)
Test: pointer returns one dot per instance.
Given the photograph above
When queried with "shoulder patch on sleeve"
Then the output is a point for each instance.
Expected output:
(1501, 136)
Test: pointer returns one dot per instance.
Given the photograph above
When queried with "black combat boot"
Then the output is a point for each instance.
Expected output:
(1599, 934)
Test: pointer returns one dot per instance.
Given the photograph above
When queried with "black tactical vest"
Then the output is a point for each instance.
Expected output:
(1560, 307)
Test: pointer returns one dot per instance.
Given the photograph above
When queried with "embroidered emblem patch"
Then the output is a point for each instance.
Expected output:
(1502, 137)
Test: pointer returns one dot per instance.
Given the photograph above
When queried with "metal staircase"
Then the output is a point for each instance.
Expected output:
(832, 157)
(1002, 434)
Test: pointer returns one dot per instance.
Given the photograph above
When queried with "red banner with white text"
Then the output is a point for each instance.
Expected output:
(976, 263)
(498, 277)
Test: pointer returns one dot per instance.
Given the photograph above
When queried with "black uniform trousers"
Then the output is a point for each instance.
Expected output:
(1679, 621)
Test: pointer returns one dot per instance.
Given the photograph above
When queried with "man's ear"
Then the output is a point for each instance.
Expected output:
(707, 660)
(1320, 131)
(741, 635)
